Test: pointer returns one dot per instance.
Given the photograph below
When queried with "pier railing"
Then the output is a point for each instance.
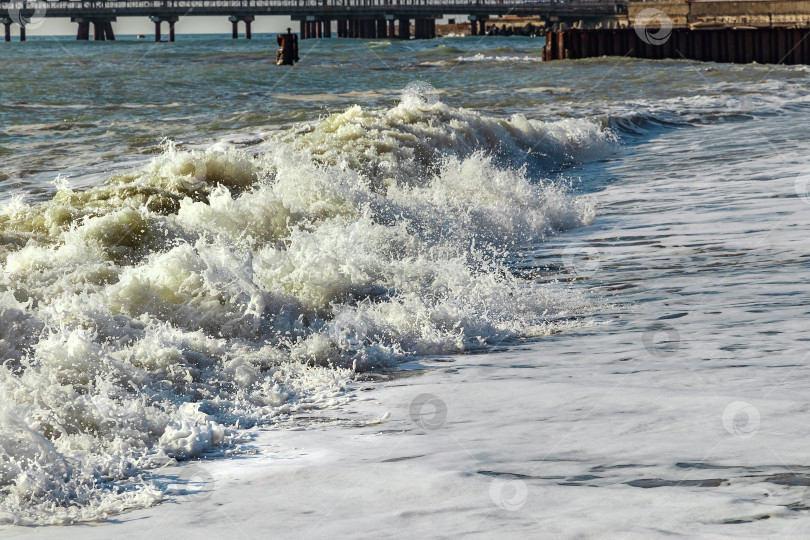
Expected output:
(66, 8)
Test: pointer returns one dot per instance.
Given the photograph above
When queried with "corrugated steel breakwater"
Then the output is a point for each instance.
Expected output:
(740, 45)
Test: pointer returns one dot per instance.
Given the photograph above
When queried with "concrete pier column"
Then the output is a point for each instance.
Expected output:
(482, 27)
(159, 19)
(404, 29)
(234, 27)
(473, 28)
(392, 29)
(302, 29)
(7, 30)
(83, 33)
(22, 33)
(98, 31)
(319, 26)
(419, 29)
(248, 35)
(381, 29)
(327, 29)
(110, 35)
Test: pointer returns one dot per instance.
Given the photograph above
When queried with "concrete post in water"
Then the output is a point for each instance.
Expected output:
(327, 28)
(157, 28)
(234, 26)
(110, 36)
(302, 29)
(248, 34)
(392, 29)
(22, 33)
(171, 31)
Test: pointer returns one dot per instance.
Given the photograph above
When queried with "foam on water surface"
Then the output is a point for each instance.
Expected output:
(147, 319)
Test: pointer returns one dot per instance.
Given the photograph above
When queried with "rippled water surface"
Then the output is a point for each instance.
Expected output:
(195, 241)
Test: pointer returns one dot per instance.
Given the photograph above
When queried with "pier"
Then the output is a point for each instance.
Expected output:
(401, 19)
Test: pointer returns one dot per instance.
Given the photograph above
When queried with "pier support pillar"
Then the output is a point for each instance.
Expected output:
(7, 28)
(235, 19)
(98, 31)
(302, 33)
(327, 29)
(102, 28)
(404, 29)
(22, 33)
(83, 33)
(392, 29)
(158, 19)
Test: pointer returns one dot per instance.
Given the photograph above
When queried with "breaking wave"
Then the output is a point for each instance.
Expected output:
(148, 319)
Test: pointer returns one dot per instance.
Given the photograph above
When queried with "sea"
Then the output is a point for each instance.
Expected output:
(429, 287)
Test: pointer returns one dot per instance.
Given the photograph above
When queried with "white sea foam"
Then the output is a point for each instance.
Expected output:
(141, 320)
(479, 57)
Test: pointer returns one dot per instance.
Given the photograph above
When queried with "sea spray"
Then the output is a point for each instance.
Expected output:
(143, 318)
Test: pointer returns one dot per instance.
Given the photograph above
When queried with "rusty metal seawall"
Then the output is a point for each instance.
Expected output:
(740, 45)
